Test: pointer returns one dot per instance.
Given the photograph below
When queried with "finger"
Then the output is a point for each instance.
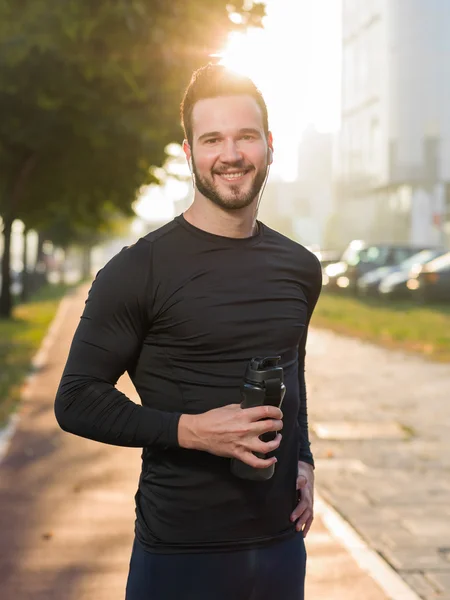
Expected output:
(259, 463)
(255, 413)
(267, 425)
(301, 508)
(301, 522)
(307, 526)
(266, 447)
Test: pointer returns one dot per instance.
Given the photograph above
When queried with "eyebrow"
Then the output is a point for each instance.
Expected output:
(209, 134)
(213, 134)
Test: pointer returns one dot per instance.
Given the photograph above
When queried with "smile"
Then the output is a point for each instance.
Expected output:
(232, 176)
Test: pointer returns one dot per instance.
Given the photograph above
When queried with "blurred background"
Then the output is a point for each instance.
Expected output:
(358, 93)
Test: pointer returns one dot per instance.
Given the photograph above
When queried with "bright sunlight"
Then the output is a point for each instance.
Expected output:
(295, 61)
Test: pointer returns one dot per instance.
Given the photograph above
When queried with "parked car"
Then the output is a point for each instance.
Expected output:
(395, 285)
(432, 282)
(360, 258)
(369, 284)
(327, 257)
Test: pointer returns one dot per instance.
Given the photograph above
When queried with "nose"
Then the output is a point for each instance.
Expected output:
(230, 152)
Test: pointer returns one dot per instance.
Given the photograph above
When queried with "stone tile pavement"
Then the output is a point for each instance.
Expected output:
(388, 470)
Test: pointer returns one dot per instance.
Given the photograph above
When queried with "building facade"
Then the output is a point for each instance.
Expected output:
(392, 158)
(301, 208)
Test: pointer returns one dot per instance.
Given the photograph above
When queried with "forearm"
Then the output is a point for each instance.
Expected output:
(96, 410)
(305, 454)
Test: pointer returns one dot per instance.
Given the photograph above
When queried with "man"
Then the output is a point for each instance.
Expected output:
(183, 311)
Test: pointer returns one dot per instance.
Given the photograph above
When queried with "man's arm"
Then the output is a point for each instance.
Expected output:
(305, 454)
(303, 515)
(314, 288)
(107, 343)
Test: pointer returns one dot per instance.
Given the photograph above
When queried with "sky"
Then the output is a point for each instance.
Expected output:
(295, 61)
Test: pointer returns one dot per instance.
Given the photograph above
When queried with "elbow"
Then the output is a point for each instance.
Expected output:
(65, 410)
(73, 407)
(62, 414)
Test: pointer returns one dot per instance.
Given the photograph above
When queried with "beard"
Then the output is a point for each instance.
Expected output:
(235, 198)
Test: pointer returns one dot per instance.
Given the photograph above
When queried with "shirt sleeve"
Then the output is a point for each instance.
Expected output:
(314, 288)
(106, 344)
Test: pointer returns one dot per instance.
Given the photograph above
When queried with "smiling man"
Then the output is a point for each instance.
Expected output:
(230, 164)
(183, 311)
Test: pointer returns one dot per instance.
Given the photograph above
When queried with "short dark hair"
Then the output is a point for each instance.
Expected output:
(215, 80)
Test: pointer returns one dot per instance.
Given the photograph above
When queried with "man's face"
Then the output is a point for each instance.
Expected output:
(229, 150)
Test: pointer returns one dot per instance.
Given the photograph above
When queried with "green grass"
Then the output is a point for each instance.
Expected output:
(420, 329)
(20, 339)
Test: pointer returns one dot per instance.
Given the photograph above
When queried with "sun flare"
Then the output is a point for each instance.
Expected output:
(294, 61)
(244, 53)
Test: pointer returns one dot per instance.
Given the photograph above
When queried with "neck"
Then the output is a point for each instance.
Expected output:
(205, 215)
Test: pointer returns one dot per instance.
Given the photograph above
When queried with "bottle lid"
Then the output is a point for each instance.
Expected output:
(263, 363)
(261, 368)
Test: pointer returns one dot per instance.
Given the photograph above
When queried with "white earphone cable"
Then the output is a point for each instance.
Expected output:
(262, 191)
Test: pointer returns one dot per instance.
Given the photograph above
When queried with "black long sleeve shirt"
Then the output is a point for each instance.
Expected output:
(183, 311)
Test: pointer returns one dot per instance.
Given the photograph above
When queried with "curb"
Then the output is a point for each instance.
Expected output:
(367, 559)
(37, 362)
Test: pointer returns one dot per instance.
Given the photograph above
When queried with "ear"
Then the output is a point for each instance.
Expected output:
(270, 148)
(187, 150)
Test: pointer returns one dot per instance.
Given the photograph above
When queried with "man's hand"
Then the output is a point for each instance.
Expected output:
(303, 515)
(233, 431)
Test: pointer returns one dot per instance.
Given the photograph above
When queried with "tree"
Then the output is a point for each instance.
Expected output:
(91, 92)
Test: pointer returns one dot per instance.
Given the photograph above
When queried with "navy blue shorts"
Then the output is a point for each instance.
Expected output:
(274, 572)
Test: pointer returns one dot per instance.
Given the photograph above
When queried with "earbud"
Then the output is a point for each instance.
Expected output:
(270, 156)
(191, 168)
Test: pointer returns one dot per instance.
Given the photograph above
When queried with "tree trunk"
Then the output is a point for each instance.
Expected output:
(62, 267)
(39, 277)
(13, 197)
(39, 250)
(86, 262)
(25, 275)
(5, 294)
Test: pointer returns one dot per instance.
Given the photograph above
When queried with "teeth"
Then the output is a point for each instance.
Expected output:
(233, 175)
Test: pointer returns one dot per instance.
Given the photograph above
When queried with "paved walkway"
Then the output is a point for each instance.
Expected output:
(66, 508)
(382, 446)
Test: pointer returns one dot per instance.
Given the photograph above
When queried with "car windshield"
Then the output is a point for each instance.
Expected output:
(420, 258)
(375, 255)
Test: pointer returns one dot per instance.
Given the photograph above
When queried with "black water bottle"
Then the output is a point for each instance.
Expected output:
(263, 384)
